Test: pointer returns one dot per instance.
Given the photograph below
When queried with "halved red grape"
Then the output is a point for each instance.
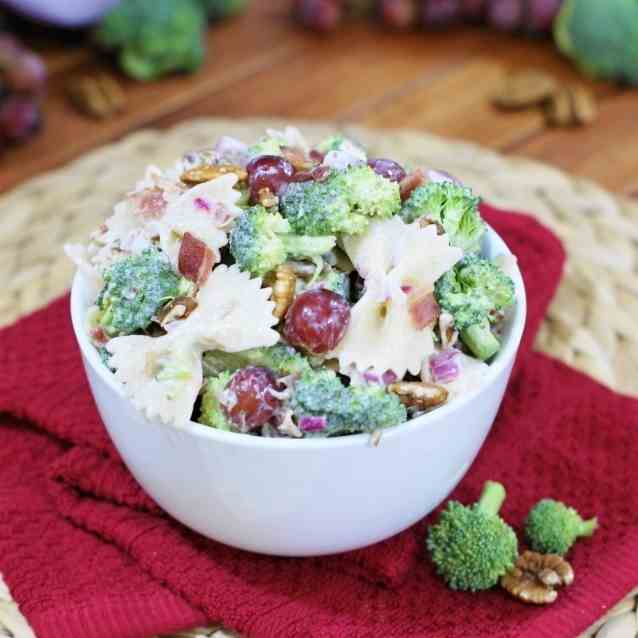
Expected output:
(19, 117)
(387, 168)
(26, 73)
(317, 320)
(399, 14)
(319, 15)
(268, 171)
(251, 402)
(440, 13)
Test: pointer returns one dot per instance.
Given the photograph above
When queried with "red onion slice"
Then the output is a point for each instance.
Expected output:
(313, 423)
(444, 366)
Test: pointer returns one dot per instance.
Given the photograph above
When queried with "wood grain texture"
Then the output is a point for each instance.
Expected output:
(262, 64)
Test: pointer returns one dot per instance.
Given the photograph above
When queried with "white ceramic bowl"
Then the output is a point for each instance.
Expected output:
(302, 497)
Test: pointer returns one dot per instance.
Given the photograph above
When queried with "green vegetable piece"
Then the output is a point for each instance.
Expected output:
(281, 359)
(471, 546)
(211, 412)
(343, 203)
(454, 207)
(155, 37)
(220, 9)
(265, 146)
(348, 409)
(601, 37)
(340, 143)
(261, 240)
(473, 292)
(335, 280)
(135, 288)
(552, 527)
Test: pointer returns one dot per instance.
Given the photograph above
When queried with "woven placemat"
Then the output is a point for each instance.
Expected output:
(591, 324)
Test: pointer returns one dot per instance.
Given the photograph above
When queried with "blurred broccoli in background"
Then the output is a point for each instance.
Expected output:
(261, 240)
(135, 288)
(474, 292)
(454, 207)
(343, 203)
(156, 37)
(601, 37)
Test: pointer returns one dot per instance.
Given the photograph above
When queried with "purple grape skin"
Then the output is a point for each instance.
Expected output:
(473, 10)
(440, 13)
(26, 73)
(319, 15)
(505, 15)
(398, 14)
(387, 168)
(541, 14)
(19, 118)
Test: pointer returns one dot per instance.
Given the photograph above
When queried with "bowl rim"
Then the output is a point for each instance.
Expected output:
(505, 356)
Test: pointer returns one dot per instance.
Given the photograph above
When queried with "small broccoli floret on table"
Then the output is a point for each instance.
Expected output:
(552, 527)
(135, 288)
(344, 203)
(211, 412)
(320, 393)
(281, 359)
(471, 546)
(474, 292)
(454, 207)
(261, 240)
(155, 37)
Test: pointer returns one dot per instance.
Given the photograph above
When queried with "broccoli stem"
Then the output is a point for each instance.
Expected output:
(587, 528)
(306, 246)
(480, 340)
(492, 498)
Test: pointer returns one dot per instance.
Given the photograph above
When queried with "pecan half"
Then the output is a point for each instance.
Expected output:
(283, 282)
(299, 160)
(98, 95)
(195, 260)
(178, 308)
(202, 174)
(571, 106)
(419, 394)
(524, 88)
(535, 576)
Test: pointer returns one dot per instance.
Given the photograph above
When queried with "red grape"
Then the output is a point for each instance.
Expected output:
(19, 117)
(505, 14)
(473, 9)
(26, 73)
(440, 13)
(317, 320)
(268, 171)
(399, 14)
(541, 14)
(319, 15)
(387, 168)
(251, 402)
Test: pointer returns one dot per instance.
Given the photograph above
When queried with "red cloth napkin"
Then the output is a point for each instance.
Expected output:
(114, 567)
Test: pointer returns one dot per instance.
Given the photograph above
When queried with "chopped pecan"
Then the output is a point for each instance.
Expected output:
(283, 282)
(571, 106)
(195, 260)
(178, 308)
(97, 95)
(267, 198)
(412, 180)
(209, 172)
(524, 88)
(426, 221)
(419, 394)
(299, 160)
(534, 577)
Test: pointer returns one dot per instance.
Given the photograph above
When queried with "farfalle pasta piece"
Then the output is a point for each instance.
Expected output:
(205, 211)
(78, 254)
(400, 263)
(162, 376)
(233, 313)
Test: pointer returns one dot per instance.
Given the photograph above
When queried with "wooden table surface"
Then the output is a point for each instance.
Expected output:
(261, 64)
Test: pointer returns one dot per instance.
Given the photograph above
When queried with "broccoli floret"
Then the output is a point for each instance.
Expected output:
(219, 9)
(281, 359)
(343, 203)
(211, 412)
(334, 280)
(454, 207)
(155, 37)
(347, 409)
(340, 143)
(135, 288)
(473, 292)
(552, 527)
(471, 546)
(265, 146)
(601, 37)
(260, 241)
